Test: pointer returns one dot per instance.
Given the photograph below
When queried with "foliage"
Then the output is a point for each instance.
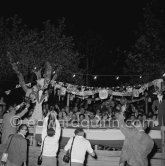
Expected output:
(32, 48)
(146, 56)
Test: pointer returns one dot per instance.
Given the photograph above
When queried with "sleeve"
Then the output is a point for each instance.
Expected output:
(44, 129)
(22, 113)
(22, 82)
(58, 130)
(127, 131)
(68, 145)
(23, 150)
(89, 147)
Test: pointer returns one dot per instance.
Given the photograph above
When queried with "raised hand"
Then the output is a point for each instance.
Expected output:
(27, 105)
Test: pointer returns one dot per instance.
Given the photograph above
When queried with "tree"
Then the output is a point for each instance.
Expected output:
(146, 56)
(32, 48)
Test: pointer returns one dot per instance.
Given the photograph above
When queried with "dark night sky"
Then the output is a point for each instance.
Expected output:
(113, 20)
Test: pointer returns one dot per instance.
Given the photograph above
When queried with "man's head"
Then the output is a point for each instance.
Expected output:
(79, 131)
(138, 125)
(81, 117)
(23, 129)
(11, 109)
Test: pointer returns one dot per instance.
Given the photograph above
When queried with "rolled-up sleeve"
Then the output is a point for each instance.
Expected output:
(89, 147)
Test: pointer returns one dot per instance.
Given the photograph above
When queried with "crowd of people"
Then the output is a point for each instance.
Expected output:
(80, 114)
(102, 114)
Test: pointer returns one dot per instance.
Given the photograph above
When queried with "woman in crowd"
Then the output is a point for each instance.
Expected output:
(50, 139)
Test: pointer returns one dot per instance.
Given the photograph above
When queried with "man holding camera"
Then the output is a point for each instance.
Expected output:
(79, 148)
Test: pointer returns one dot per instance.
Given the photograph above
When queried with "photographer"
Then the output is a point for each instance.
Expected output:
(79, 148)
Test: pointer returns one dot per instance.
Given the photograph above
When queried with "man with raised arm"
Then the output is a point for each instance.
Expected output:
(9, 125)
(137, 144)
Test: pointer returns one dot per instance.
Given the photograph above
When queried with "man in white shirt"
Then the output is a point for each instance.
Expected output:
(79, 148)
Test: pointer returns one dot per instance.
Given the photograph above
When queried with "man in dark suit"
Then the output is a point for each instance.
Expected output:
(17, 151)
(137, 144)
(9, 125)
(159, 105)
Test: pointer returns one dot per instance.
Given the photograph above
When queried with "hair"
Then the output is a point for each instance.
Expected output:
(21, 127)
(50, 132)
(78, 130)
(82, 115)
(154, 115)
(66, 113)
(51, 121)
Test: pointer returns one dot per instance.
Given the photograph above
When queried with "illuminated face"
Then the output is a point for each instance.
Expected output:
(60, 115)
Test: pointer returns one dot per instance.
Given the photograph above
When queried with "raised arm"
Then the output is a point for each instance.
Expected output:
(58, 129)
(136, 100)
(22, 113)
(126, 130)
(20, 77)
(44, 128)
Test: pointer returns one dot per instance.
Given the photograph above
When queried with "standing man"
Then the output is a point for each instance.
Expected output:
(79, 148)
(9, 121)
(159, 104)
(17, 151)
(137, 144)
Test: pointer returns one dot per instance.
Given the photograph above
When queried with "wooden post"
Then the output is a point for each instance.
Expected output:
(68, 97)
(34, 139)
(163, 144)
(163, 138)
(146, 103)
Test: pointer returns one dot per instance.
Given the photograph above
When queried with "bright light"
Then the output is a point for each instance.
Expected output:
(140, 77)
(117, 78)
(164, 75)
(95, 77)
(54, 72)
(74, 75)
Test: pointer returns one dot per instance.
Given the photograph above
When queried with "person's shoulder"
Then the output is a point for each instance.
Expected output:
(20, 137)
(86, 140)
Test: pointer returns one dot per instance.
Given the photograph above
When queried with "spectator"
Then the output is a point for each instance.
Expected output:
(81, 117)
(73, 118)
(155, 120)
(9, 126)
(140, 117)
(60, 116)
(137, 144)
(17, 152)
(144, 117)
(79, 148)
(50, 138)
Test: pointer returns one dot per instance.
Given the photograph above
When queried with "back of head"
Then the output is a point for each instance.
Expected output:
(50, 132)
(79, 131)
